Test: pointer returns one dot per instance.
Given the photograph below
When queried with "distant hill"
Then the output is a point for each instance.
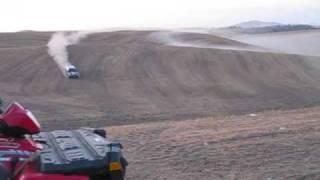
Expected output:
(279, 28)
(256, 24)
(260, 27)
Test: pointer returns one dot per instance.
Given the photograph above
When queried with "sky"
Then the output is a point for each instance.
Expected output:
(44, 15)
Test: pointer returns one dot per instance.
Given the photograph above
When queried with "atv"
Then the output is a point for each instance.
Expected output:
(28, 154)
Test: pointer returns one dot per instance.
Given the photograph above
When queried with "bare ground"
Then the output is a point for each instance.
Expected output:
(295, 42)
(127, 77)
(273, 145)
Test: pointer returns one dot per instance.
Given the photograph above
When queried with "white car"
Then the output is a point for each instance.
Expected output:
(72, 72)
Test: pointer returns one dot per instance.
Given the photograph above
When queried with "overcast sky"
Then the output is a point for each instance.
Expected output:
(18, 15)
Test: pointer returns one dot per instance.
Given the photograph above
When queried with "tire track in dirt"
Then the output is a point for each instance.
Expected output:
(274, 145)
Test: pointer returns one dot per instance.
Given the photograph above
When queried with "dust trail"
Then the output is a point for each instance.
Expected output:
(171, 38)
(57, 46)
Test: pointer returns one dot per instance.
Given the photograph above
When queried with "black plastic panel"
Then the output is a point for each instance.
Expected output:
(75, 151)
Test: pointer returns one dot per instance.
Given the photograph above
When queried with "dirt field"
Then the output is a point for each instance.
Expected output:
(179, 107)
(128, 77)
(296, 42)
(270, 146)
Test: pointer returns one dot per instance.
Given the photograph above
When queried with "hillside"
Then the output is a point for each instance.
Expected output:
(277, 145)
(298, 42)
(128, 77)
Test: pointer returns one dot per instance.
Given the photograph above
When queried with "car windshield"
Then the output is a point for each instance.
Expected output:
(72, 70)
